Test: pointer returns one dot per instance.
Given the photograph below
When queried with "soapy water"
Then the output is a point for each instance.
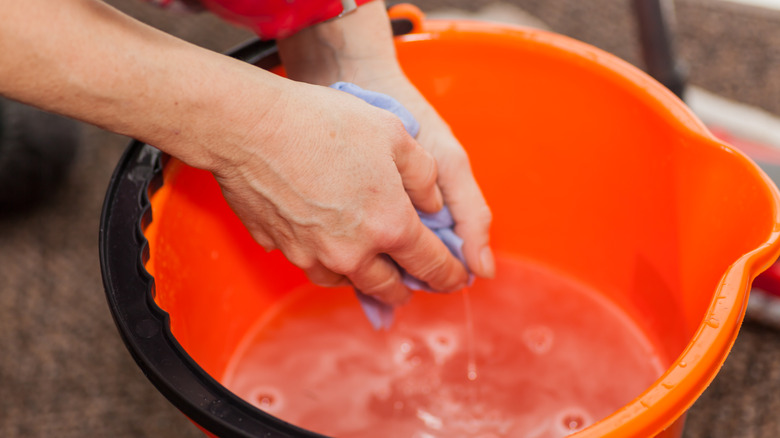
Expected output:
(542, 357)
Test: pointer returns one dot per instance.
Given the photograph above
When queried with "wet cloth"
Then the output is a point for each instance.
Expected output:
(441, 223)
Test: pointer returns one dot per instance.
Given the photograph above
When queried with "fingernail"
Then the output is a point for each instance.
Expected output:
(487, 263)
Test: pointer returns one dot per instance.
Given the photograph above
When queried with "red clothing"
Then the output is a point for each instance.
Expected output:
(273, 18)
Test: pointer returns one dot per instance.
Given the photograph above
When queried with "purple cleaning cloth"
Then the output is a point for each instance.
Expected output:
(441, 223)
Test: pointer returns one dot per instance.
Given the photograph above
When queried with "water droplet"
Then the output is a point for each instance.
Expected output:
(683, 364)
(471, 346)
(217, 407)
(714, 323)
(472, 372)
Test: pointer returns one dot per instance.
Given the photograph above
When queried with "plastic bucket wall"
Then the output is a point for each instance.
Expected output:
(588, 165)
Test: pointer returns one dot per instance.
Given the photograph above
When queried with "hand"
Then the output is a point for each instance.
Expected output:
(358, 48)
(334, 186)
(326, 178)
(460, 190)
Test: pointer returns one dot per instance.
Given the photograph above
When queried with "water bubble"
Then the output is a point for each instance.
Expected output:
(573, 420)
(442, 344)
(267, 399)
(411, 353)
(403, 351)
(538, 339)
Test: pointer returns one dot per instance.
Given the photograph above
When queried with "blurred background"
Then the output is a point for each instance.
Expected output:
(64, 370)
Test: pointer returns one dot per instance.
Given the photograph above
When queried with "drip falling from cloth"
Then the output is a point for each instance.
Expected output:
(380, 314)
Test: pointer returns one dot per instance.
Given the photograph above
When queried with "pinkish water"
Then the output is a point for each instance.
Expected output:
(528, 354)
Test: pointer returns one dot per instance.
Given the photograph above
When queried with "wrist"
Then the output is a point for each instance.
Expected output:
(357, 45)
(207, 108)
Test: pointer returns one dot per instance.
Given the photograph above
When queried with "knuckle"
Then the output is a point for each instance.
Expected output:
(301, 259)
(401, 139)
(435, 269)
(322, 277)
(457, 157)
(381, 286)
(484, 214)
(342, 260)
(389, 238)
(430, 174)
(393, 232)
(396, 125)
(458, 162)
(265, 241)
(388, 289)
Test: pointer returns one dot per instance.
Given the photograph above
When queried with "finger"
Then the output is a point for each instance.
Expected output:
(380, 278)
(322, 276)
(472, 218)
(263, 238)
(425, 257)
(418, 174)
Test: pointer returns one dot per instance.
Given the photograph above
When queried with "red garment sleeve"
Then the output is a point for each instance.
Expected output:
(279, 18)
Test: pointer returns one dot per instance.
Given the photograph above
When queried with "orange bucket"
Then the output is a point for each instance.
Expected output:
(592, 170)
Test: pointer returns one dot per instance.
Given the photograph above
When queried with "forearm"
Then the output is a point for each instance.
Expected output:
(83, 59)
